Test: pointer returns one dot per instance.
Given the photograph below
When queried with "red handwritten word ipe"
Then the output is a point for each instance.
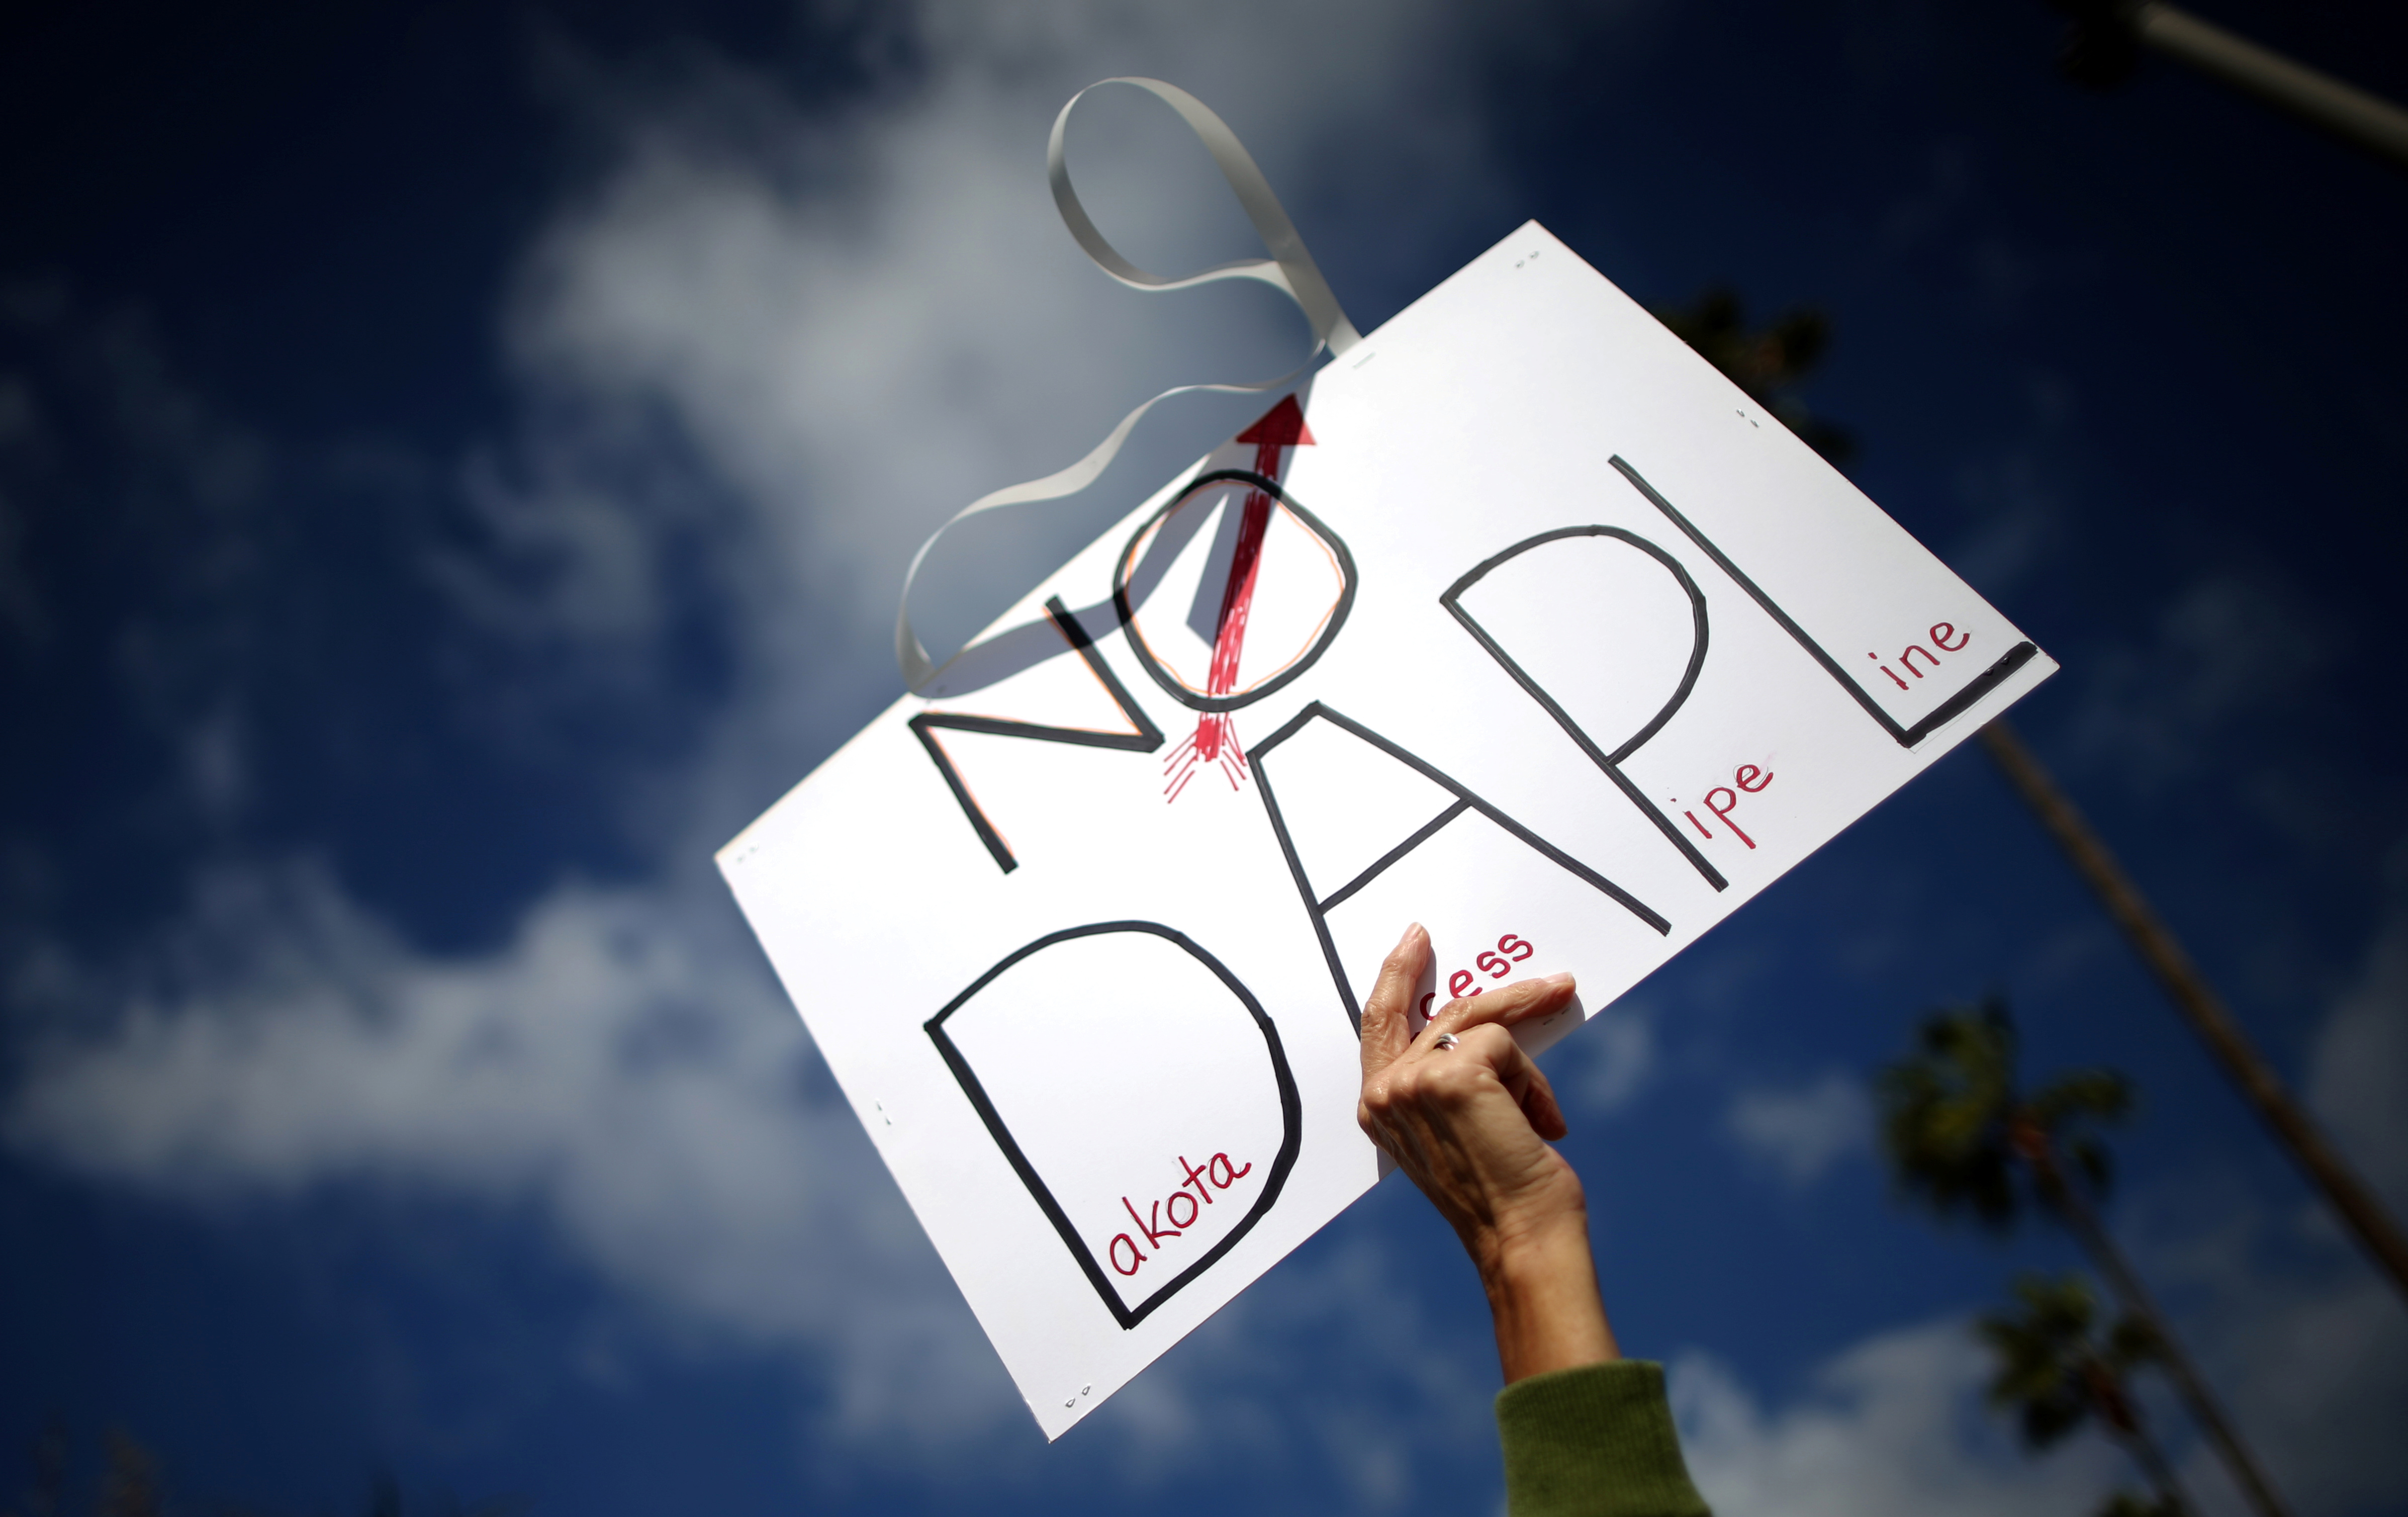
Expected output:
(1747, 777)
(1217, 1170)
(1459, 984)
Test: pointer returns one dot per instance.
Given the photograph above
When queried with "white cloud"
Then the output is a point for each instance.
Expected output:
(2227, 647)
(1892, 1427)
(2304, 1345)
(2013, 495)
(856, 323)
(795, 341)
(2315, 1375)
(1802, 1132)
(2316, 1366)
(2311, 1367)
(184, 491)
(1605, 1065)
(622, 1063)
(626, 1066)
(1339, 1366)
(2313, 1371)
(863, 323)
(2357, 1076)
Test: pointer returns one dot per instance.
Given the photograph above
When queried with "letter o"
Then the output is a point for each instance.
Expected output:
(1171, 1208)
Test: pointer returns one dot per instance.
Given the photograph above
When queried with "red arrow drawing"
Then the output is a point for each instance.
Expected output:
(1279, 429)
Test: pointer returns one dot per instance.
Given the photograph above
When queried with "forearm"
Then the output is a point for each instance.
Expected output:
(1586, 1432)
(1542, 1293)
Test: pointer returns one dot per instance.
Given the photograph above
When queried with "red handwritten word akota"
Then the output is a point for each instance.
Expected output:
(1162, 1219)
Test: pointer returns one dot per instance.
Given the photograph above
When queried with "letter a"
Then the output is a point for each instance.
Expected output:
(1221, 1166)
(1154, 1235)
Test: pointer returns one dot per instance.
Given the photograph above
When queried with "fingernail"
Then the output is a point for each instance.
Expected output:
(1562, 977)
(1411, 928)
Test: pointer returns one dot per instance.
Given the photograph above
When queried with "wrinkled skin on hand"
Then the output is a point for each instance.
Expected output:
(1472, 1126)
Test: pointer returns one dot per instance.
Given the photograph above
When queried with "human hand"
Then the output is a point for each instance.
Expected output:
(1470, 1123)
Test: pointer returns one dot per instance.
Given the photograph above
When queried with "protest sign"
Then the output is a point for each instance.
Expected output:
(1518, 619)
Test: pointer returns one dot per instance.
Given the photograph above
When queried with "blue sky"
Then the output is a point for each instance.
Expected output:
(454, 468)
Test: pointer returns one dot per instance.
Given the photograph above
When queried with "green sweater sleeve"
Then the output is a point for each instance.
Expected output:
(1595, 1441)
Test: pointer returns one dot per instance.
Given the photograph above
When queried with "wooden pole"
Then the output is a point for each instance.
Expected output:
(2199, 1005)
(2192, 1385)
(2370, 121)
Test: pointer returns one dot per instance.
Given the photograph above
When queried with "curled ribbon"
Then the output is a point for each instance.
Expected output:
(1290, 269)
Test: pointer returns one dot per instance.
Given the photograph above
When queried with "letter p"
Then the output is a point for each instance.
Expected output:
(1728, 804)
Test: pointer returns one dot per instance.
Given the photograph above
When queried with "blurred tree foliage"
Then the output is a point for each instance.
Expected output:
(2056, 1373)
(1963, 1134)
(1960, 1129)
(1769, 363)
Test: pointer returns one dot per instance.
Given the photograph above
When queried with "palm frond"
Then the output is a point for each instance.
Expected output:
(2047, 1361)
(2103, 1095)
(1943, 1113)
(2132, 1342)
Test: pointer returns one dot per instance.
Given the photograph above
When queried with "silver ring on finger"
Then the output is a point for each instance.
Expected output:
(1445, 1041)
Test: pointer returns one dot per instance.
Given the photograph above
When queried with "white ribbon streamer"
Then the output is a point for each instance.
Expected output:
(1290, 270)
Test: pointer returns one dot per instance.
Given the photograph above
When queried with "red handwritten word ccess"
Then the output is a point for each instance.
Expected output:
(1510, 949)
(1162, 1219)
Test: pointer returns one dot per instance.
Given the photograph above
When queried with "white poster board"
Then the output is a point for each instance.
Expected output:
(1552, 642)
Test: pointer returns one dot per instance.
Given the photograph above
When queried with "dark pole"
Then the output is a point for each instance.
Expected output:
(2204, 1408)
(2199, 1003)
(2104, 44)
